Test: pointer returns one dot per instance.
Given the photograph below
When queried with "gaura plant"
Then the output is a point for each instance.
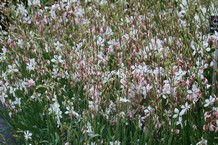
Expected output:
(109, 72)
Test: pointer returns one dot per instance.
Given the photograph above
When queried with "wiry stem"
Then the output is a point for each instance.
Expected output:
(214, 69)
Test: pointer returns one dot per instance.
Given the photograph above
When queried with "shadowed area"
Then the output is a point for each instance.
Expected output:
(5, 135)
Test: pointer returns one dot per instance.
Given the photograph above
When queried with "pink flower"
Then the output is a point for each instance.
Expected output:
(122, 114)
(30, 83)
(216, 114)
(205, 127)
(207, 115)
(11, 44)
(212, 127)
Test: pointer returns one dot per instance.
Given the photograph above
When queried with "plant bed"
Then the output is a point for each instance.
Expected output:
(109, 72)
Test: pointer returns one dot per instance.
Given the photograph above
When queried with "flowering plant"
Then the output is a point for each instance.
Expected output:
(100, 72)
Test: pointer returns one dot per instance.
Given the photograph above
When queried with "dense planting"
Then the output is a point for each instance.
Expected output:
(100, 72)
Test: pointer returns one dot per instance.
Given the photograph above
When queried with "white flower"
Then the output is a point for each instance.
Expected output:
(133, 32)
(209, 101)
(57, 59)
(55, 72)
(176, 111)
(203, 9)
(196, 17)
(111, 43)
(139, 69)
(143, 68)
(17, 101)
(55, 108)
(3, 54)
(12, 68)
(31, 64)
(89, 130)
(208, 49)
(34, 2)
(27, 135)
(179, 74)
(124, 100)
(52, 13)
(20, 42)
(184, 108)
(177, 114)
(181, 14)
(58, 45)
(148, 111)
(166, 87)
(21, 10)
(179, 121)
(126, 36)
(194, 92)
(100, 41)
(92, 105)
(202, 142)
(3, 96)
(102, 2)
(70, 110)
(109, 31)
(115, 142)
(79, 12)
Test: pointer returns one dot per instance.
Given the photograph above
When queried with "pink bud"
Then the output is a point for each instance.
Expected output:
(177, 131)
(205, 127)
(101, 30)
(216, 114)
(188, 82)
(122, 114)
(200, 95)
(212, 128)
(207, 115)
